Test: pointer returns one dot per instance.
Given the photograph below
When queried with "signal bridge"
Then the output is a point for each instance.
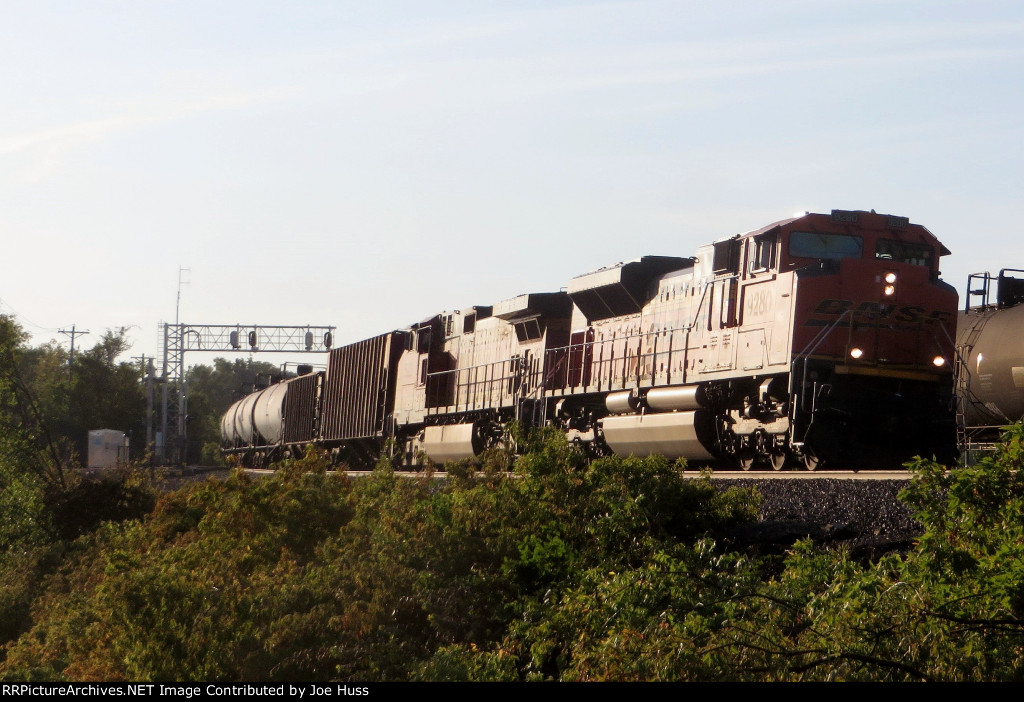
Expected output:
(172, 441)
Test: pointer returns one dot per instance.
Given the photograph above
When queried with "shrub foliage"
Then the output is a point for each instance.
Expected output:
(617, 569)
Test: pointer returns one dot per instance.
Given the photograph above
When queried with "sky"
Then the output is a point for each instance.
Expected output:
(365, 165)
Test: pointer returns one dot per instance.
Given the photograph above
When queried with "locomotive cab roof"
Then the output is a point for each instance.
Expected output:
(845, 234)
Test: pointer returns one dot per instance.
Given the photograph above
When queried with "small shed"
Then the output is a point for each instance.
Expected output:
(107, 448)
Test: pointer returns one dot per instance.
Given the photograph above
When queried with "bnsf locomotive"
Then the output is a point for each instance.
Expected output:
(825, 337)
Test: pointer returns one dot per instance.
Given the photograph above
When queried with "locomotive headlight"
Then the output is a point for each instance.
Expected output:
(890, 283)
(856, 352)
(938, 361)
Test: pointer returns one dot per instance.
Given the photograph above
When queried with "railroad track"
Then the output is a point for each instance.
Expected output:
(860, 475)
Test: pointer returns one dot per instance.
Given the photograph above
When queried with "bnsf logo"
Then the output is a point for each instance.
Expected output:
(876, 312)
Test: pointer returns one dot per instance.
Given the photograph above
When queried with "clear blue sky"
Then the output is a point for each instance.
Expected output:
(367, 164)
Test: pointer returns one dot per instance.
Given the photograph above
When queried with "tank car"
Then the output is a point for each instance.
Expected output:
(820, 337)
(275, 422)
(990, 381)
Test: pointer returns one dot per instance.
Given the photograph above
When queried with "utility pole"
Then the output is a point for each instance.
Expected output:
(71, 357)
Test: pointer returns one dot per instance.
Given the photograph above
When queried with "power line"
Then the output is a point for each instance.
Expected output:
(24, 319)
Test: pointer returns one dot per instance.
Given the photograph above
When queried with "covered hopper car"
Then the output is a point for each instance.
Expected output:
(825, 337)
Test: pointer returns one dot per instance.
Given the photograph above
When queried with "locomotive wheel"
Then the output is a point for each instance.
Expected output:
(811, 462)
(746, 459)
(778, 460)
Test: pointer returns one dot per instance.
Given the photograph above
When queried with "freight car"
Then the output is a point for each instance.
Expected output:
(990, 381)
(824, 337)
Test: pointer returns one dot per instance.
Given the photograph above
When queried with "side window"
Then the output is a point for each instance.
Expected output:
(727, 257)
(423, 340)
(528, 330)
(762, 252)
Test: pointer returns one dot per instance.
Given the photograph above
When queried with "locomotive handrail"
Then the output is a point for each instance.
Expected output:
(537, 390)
(963, 395)
(640, 358)
(565, 351)
(491, 381)
(805, 354)
(820, 337)
(982, 292)
(985, 291)
(690, 327)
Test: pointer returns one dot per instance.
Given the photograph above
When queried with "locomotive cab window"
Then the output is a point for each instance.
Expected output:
(904, 252)
(762, 253)
(827, 246)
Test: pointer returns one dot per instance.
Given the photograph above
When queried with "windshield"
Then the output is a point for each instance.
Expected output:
(814, 245)
(902, 252)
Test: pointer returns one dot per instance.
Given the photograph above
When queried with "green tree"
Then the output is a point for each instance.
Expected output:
(98, 392)
(27, 446)
(106, 393)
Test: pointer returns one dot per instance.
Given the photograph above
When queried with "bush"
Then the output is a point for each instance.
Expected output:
(306, 575)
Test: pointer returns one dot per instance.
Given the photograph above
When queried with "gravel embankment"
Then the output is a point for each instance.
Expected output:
(865, 516)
